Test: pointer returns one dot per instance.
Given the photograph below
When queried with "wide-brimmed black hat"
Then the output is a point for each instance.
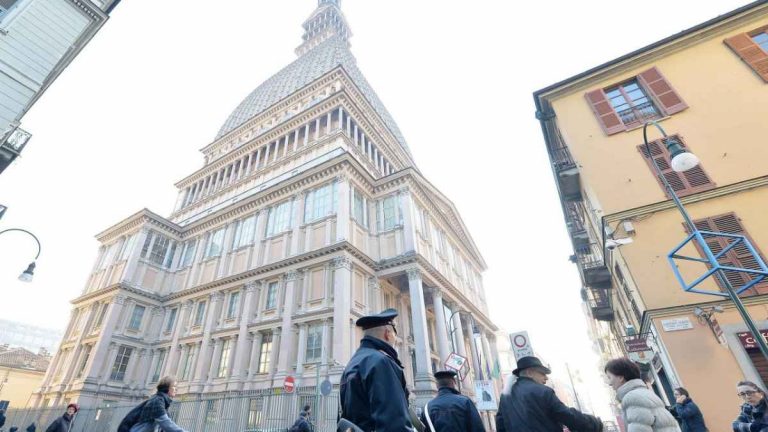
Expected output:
(530, 362)
(382, 318)
(445, 374)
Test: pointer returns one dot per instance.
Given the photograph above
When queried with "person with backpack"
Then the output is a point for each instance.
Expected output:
(64, 423)
(301, 424)
(153, 412)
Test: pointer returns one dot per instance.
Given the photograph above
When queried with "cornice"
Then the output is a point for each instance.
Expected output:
(136, 220)
(722, 191)
(119, 287)
(667, 312)
(92, 12)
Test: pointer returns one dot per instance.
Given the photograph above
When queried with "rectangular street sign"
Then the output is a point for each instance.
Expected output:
(455, 362)
(521, 344)
(676, 324)
(636, 344)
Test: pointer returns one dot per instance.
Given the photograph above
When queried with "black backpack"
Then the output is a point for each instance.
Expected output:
(131, 418)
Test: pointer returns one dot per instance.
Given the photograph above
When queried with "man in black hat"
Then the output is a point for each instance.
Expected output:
(450, 411)
(373, 393)
(530, 406)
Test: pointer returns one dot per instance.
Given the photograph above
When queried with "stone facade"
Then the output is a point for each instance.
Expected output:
(308, 213)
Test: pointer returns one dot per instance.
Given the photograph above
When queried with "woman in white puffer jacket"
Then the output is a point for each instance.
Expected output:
(643, 410)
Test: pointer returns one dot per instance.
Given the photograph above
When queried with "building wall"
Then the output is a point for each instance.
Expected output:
(18, 385)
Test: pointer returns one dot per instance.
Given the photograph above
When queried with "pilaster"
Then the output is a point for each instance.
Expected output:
(423, 379)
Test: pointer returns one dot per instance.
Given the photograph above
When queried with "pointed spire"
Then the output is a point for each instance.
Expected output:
(325, 22)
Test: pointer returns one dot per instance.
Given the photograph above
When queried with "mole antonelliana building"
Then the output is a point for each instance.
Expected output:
(308, 213)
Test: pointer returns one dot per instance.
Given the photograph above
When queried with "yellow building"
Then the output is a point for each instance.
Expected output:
(21, 373)
(708, 86)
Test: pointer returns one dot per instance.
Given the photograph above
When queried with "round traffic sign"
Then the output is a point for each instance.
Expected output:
(325, 387)
(519, 341)
(289, 384)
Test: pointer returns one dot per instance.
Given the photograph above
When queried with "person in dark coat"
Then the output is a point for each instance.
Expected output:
(13, 429)
(450, 411)
(530, 406)
(754, 412)
(372, 388)
(32, 427)
(64, 423)
(688, 412)
(2, 418)
(301, 424)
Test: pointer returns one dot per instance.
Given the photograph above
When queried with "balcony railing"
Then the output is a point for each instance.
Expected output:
(15, 139)
(574, 215)
(591, 257)
(600, 304)
(593, 269)
(639, 114)
(562, 160)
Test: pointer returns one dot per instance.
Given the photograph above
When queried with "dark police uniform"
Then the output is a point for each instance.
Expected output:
(450, 411)
(373, 393)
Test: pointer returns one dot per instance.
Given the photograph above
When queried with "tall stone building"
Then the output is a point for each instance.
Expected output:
(308, 213)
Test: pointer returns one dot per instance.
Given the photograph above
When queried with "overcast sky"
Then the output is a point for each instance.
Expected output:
(126, 120)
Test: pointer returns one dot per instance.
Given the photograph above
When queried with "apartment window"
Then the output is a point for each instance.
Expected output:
(215, 244)
(389, 212)
(644, 97)
(234, 301)
(121, 363)
(320, 202)
(188, 253)
(159, 366)
(738, 256)
(171, 320)
(271, 295)
(245, 231)
(265, 353)
(224, 358)
(86, 357)
(199, 313)
(752, 48)
(187, 366)
(159, 252)
(255, 410)
(136, 317)
(279, 218)
(359, 208)
(684, 183)
(314, 343)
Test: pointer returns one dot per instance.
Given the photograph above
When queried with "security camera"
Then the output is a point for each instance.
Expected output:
(612, 244)
(718, 309)
(698, 311)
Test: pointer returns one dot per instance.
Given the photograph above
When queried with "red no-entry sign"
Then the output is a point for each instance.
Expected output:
(289, 384)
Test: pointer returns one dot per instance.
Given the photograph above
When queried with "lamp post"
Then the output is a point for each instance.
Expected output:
(26, 275)
(682, 160)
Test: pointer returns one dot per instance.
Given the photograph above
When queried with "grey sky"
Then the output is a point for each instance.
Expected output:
(126, 119)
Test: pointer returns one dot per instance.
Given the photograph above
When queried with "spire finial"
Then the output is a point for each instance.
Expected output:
(325, 22)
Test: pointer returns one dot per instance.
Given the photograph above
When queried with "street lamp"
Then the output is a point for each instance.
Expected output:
(682, 160)
(26, 275)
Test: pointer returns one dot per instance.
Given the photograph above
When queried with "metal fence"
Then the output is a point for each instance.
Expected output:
(242, 413)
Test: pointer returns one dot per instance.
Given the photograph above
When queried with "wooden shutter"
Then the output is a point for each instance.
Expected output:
(760, 363)
(739, 256)
(685, 183)
(666, 97)
(750, 52)
(606, 115)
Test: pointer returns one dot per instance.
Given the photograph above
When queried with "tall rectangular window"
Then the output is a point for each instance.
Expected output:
(265, 353)
(279, 218)
(684, 183)
(136, 317)
(159, 250)
(631, 103)
(187, 365)
(100, 315)
(6, 6)
(320, 202)
(121, 363)
(271, 295)
(159, 366)
(128, 245)
(215, 244)
(359, 208)
(188, 253)
(234, 302)
(86, 357)
(255, 409)
(224, 358)
(199, 313)
(761, 39)
(390, 212)
(245, 231)
(314, 343)
(171, 320)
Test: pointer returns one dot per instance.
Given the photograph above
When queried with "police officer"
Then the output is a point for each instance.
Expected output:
(450, 411)
(373, 393)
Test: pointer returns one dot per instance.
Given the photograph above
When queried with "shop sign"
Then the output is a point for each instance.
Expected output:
(748, 341)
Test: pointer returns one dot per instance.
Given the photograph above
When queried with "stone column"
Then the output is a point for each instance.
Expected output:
(185, 351)
(301, 355)
(298, 207)
(136, 370)
(253, 366)
(342, 299)
(488, 366)
(458, 335)
(105, 371)
(324, 358)
(424, 382)
(203, 361)
(474, 349)
(343, 211)
(226, 248)
(276, 341)
(374, 299)
(99, 351)
(409, 227)
(153, 354)
(233, 354)
(173, 354)
(443, 346)
(133, 257)
(287, 343)
(214, 363)
(92, 314)
(239, 369)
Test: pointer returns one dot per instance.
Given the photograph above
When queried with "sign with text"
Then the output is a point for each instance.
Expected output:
(715, 326)
(748, 341)
(521, 344)
(485, 398)
(676, 324)
(455, 362)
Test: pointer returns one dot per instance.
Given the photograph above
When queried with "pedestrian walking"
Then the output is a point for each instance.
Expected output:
(529, 406)
(153, 412)
(450, 411)
(754, 411)
(13, 429)
(372, 393)
(301, 424)
(32, 427)
(64, 423)
(2, 418)
(688, 412)
(643, 410)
